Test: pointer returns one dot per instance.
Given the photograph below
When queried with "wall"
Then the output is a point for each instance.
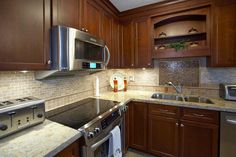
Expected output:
(61, 91)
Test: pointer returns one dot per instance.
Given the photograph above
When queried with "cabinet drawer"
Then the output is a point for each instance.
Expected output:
(163, 110)
(200, 115)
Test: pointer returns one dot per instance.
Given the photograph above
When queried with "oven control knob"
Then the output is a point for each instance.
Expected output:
(40, 115)
(96, 130)
(3, 127)
(90, 135)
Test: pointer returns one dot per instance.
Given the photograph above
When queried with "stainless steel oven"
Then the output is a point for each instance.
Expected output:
(99, 147)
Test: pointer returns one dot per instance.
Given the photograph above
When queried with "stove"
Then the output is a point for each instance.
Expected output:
(19, 114)
(94, 118)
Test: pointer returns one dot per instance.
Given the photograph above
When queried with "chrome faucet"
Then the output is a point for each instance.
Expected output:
(177, 88)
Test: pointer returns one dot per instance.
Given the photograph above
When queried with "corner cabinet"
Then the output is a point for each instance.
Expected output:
(223, 33)
(24, 31)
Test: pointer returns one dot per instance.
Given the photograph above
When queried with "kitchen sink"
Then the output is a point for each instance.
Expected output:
(167, 97)
(181, 98)
(197, 99)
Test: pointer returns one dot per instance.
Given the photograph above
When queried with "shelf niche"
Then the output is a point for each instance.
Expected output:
(188, 29)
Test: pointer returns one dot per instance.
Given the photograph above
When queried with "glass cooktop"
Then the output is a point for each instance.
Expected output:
(80, 113)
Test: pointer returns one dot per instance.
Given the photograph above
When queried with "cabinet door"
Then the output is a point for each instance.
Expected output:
(92, 18)
(71, 151)
(127, 56)
(107, 35)
(224, 32)
(198, 139)
(138, 126)
(115, 44)
(143, 55)
(66, 13)
(24, 31)
(163, 136)
(127, 128)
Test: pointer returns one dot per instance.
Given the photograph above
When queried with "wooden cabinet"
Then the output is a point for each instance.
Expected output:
(115, 49)
(223, 33)
(127, 127)
(127, 54)
(142, 39)
(70, 151)
(163, 136)
(138, 125)
(198, 139)
(199, 131)
(24, 30)
(66, 13)
(92, 18)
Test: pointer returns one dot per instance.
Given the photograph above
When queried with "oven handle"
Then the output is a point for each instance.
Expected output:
(99, 143)
(108, 55)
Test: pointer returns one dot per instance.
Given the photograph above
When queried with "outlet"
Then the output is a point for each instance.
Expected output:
(131, 78)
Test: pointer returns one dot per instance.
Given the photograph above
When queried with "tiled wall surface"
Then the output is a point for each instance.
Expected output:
(61, 91)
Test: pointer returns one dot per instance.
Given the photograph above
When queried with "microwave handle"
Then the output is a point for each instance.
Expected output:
(108, 55)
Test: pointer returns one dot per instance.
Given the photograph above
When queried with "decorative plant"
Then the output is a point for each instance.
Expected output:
(178, 45)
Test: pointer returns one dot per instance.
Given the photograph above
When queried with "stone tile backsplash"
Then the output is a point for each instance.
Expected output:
(63, 90)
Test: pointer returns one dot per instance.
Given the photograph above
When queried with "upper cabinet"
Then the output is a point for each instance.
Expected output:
(66, 13)
(223, 33)
(184, 34)
(24, 31)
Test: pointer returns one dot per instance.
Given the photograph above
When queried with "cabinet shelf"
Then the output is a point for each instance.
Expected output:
(177, 38)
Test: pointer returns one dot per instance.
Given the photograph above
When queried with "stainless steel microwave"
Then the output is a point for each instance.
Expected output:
(74, 50)
(228, 91)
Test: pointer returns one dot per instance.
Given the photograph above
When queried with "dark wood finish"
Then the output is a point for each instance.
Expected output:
(116, 27)
(24, 29)
(198, 139)
(163, 136)
(70, 151)
(127, 127)
(143, 54)
(163, 110)
(107, 22)
(223, 33)
(138, 125)
(127, 55)
(66, 13)
(199, 115)
(92, 18)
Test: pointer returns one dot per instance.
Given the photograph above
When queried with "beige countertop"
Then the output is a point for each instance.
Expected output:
(145, 96)
(43, 140)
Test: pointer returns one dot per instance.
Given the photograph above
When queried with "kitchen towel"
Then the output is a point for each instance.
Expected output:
(115, 143)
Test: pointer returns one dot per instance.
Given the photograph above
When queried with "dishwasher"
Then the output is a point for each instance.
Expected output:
(228, 135)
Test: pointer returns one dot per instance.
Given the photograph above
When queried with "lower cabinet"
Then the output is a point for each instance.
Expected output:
(138, 125)
(70, 151)
(169, 131)
(163, 136)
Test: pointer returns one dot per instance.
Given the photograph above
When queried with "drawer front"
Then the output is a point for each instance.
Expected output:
(163, 110)
(200, 115)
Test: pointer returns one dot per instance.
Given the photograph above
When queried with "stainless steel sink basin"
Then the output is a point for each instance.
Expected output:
(181, 98)
(167, 97)
(197, 99)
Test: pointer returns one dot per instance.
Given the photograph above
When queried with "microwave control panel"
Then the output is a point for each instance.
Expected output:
(91, 65)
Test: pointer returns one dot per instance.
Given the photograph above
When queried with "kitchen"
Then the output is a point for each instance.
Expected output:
(176, 58)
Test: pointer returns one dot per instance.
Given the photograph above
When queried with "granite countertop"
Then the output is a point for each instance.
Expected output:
(43, 140)
(145, 96)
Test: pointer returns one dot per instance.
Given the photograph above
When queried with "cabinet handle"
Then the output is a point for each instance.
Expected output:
(86, 30)
(182, 125)
(161, 110)
(149, 64)
(198, 115)
(83, 29)
(177, 124)
(49, 62)
(132, 65)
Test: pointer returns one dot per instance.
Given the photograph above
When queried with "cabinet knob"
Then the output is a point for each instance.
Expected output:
(83, 29)
(177, 124)
(182, 125)
(86, 30)
(49, 62)
(149, 64)
(132, 65)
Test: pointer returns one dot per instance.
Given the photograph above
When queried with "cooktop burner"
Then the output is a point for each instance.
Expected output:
(80, 113)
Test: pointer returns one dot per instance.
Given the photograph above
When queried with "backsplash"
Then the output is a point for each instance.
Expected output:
(64, 90)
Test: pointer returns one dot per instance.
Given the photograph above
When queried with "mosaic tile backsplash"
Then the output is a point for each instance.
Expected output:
(185, 72)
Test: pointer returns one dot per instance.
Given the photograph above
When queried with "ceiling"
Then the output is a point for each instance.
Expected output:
(123, 5)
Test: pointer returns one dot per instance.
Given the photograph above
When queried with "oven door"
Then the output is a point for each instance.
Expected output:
(101, 148)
